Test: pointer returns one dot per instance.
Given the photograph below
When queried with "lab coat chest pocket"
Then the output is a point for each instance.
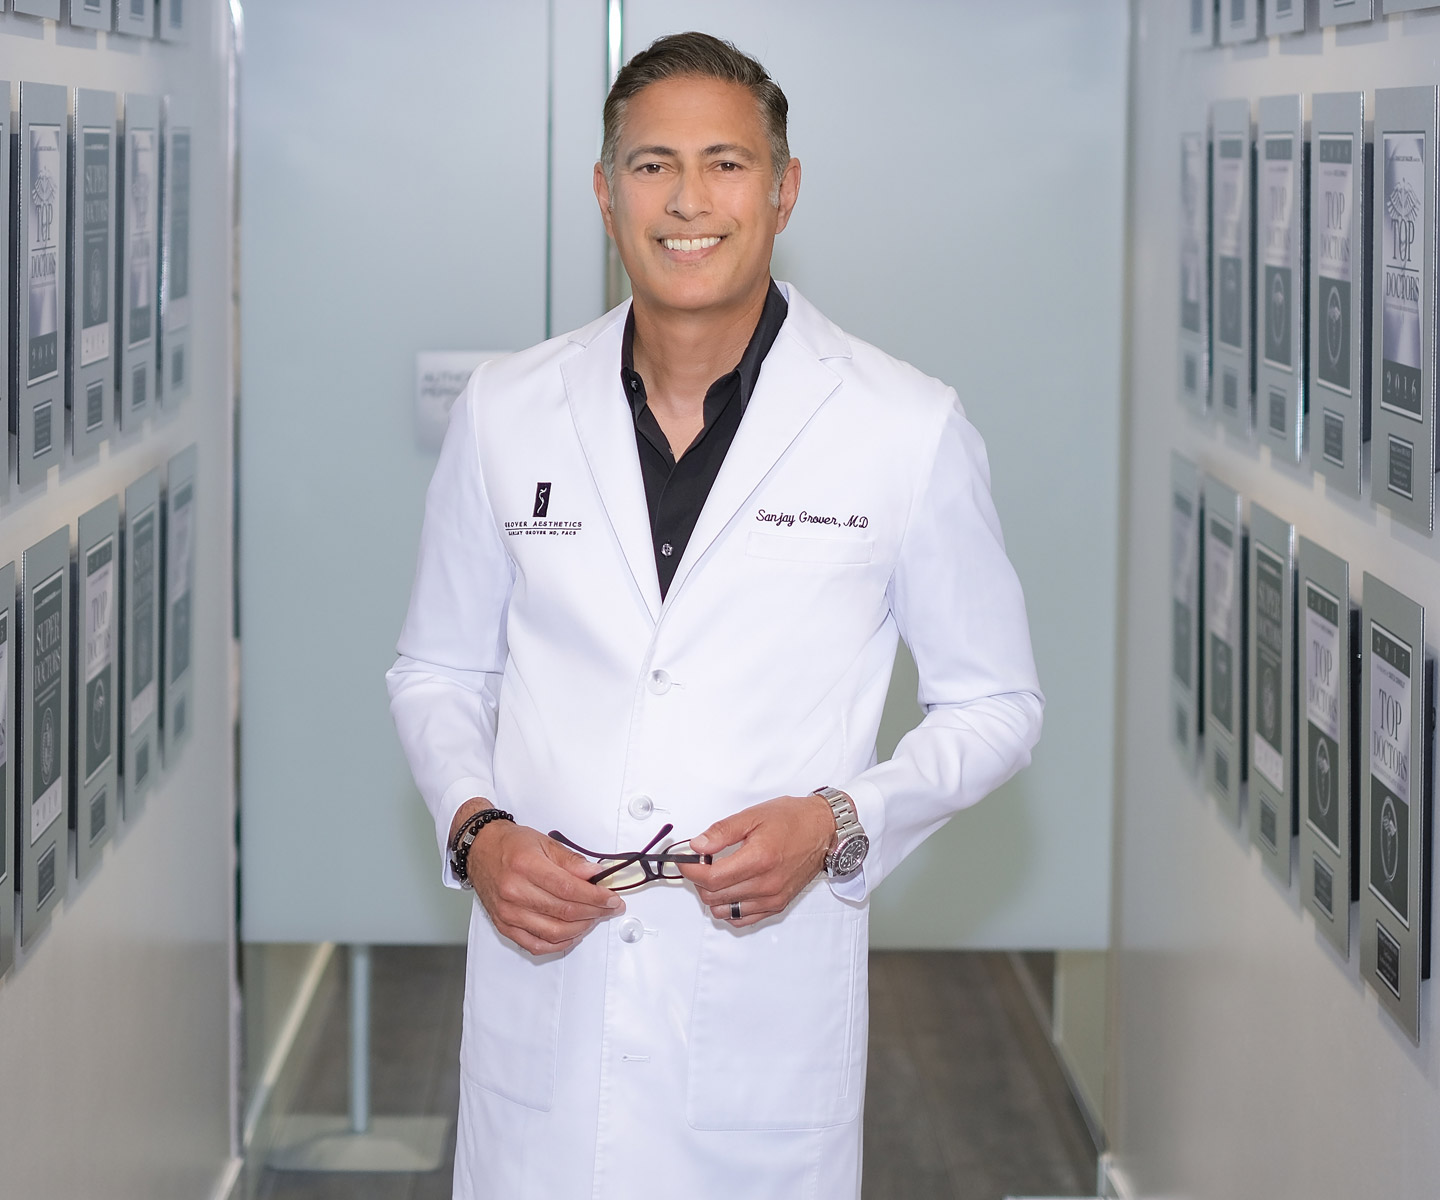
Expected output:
(512, 1017)
(777, 1032)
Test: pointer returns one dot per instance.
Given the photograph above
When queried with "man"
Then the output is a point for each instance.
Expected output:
(664, 565)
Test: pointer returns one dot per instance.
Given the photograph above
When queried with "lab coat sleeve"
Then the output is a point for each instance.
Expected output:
(958, 605)
(445, 684)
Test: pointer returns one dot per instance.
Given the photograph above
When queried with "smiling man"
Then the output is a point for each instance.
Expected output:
(665, 562)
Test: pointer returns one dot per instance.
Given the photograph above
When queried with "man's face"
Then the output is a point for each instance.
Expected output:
(691, 207)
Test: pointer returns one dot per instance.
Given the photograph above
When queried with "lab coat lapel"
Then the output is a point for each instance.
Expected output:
(794, 382)
(606, 430)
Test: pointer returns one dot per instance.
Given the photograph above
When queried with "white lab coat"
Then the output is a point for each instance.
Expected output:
(668, 1054)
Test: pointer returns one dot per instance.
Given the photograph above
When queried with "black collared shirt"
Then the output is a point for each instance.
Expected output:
(676, 490)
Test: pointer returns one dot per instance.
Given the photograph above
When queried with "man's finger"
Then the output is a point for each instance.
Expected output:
(748, 862)
(559, 880)
(557, 934)
(726, 832)
(750, 913)
(561, 908)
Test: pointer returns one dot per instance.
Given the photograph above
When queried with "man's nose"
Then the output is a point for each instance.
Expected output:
(691, 198)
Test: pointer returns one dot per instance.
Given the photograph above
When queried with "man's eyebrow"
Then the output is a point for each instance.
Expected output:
(650, 152)
(731, 150)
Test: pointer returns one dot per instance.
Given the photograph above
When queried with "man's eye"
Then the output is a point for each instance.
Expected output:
(729, 166)
(651, 168)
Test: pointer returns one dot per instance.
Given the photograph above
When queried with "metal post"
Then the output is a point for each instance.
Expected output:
(360, 1142)
(359, 1038)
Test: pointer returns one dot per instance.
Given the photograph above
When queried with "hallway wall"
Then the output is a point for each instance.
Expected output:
(115, 1026)
(1249, 1059)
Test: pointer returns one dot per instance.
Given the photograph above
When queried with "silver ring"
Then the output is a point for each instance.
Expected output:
(734, 910)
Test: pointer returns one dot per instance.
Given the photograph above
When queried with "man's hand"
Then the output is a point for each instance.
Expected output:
(782, 847)
(536, 891)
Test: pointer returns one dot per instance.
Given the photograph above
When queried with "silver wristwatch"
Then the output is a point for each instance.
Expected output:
(849, 845)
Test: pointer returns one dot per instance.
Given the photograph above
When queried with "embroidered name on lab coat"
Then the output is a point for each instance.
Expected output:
(804, 517)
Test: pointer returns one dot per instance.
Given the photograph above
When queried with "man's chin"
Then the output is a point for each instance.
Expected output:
(696, 295)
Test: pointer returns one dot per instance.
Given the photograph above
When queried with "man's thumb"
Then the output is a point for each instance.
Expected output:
(721, 834)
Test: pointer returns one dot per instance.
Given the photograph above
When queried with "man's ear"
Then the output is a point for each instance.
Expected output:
(603, 197)
(789, 193)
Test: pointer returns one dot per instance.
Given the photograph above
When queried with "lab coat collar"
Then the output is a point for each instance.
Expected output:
(606, 428)
(794, 382)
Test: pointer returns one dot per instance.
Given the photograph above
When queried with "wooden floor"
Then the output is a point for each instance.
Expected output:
(965, 1099)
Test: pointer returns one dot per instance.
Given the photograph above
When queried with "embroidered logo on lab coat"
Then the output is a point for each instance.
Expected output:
(540, 522)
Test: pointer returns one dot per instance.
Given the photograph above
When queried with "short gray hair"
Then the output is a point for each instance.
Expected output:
(697, 56)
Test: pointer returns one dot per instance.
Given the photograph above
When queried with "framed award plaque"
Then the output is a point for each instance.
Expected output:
(1239, 20)
(1403, 334)
(178, 678)
(7, 377)
(92, 14)
(1185, 657)
(44, 836)
(37, 417)
(1194, 338)
(140, 642)
(135, 17)
(1329, 736)
(138, 287)
(92, 299)
(172, 20)
(95, 675)
(1280, 276)
(173, 373)
(1198, 30)
(1339, 289)
(7, 776)
(1224, 590)
(1397, 700)
(1285, 16)
(1271, 648)
(1345, 12)
(1231, 266)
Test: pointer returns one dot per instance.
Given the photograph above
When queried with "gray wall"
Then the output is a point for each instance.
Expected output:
(1248, 1059)
(963, 188)
(115, 1033)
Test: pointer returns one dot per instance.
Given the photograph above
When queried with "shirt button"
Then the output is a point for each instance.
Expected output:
(631, 930)
(667, 549)
(659, 682)
(641, 807)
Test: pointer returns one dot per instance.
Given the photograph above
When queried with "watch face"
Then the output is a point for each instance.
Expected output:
(851, 854)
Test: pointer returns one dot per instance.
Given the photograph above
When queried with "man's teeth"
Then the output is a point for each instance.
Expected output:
(690, 243)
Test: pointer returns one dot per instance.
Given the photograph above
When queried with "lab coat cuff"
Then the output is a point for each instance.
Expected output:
(870, 808)
(451, 802)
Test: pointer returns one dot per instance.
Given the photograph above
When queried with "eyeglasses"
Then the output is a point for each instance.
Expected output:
(637, 868)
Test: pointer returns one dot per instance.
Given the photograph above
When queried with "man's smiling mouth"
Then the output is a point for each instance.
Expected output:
(689, 243)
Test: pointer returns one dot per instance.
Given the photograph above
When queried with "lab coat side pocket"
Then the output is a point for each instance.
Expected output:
(775, 1028)
(512, 1017)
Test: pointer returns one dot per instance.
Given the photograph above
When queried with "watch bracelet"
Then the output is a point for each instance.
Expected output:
(472, 825)
(838, 799)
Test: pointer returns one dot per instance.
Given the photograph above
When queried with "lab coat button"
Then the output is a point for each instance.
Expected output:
(631, 930)
(641, 807)
(659, 682)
